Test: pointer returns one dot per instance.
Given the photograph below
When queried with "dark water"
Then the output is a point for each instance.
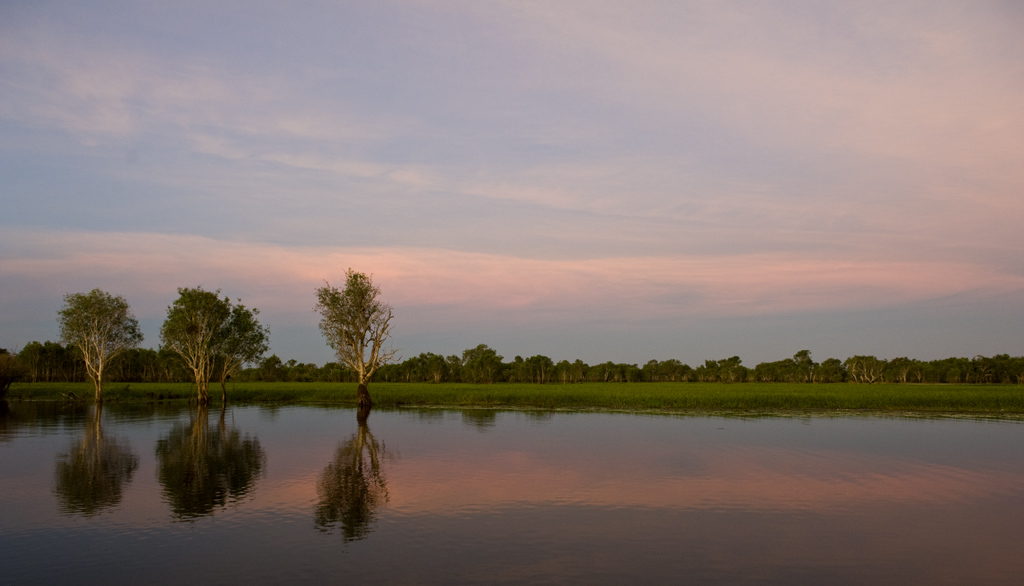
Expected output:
(260, 495)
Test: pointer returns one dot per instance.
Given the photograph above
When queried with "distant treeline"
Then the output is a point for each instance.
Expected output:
(52, 362)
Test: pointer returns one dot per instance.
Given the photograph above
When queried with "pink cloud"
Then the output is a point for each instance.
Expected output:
(148, 268)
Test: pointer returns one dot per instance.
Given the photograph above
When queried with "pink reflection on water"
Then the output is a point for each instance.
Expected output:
(757, 479)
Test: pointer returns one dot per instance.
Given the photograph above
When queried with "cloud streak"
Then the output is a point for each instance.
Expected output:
(516, 161)
(282, 279)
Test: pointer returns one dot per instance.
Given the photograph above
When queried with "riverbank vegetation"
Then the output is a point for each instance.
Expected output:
(750, 397)
(52, 362)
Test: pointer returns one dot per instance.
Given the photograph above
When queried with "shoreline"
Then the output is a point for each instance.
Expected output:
(740, 399)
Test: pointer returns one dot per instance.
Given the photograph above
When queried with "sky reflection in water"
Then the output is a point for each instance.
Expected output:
(304, 494)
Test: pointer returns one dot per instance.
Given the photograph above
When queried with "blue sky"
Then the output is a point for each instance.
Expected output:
(601, 180)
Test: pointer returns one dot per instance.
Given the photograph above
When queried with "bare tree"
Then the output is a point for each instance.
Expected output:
(101, 326)
(356, 324)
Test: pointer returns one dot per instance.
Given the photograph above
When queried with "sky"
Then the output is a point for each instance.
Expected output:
(618, 181)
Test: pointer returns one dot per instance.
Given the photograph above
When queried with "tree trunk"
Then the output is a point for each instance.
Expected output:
(203, 392)
(364, 396)
(98, 382)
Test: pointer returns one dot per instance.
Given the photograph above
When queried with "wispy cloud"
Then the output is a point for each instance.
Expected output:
(555, 159)
(281, 279)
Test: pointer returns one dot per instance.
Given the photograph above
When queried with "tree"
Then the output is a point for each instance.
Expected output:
(732, 370)
(902, 366)
(194, 329)
(564, 370)
(865, 369)
(708, 372)
(482, 363)
(270, 367)
(11, 371)
(52, 362)
(831, 370)
(243, 341)
(540, 367)
(356, 322)
(101, 326)
(805, 365)
(434, 365)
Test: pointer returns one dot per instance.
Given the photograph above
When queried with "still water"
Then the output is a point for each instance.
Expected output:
(297, 494)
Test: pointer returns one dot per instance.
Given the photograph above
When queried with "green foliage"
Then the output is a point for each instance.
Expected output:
(482, 364)
(866, 369)
(51, 362)
(992, 399)
(243, 340)
(356, 323)
(210, 334)
(11, 370)
(194, 329)
(101, 326)
(831, 370)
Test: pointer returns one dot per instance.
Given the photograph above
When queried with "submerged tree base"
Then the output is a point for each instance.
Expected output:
(364, 397)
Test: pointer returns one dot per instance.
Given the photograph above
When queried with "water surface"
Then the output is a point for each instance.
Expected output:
(264, 495)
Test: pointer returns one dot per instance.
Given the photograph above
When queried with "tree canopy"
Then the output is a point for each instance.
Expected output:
(207, 331)
(356, 323)
(244, 340)
(11, 370)
(194, 329)
(101, 326)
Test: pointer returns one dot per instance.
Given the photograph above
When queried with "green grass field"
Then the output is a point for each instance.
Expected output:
(747, 397)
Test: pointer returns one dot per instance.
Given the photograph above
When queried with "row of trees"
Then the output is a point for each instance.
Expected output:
(205, 336)
(52, 362)
(483, 365)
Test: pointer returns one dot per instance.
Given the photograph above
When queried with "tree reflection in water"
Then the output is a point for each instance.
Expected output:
(91, 476)
(352, 487)
(201, 469)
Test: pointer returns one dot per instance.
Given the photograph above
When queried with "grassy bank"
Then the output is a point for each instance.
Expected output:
(768, 397)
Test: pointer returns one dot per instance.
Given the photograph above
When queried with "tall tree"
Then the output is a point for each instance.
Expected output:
(356, 324)
(194, 329)
(101, 326)
(865, 369)
(805, 365)
(243, 341)
(433, 366)
(541, 368)
(482, 363)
